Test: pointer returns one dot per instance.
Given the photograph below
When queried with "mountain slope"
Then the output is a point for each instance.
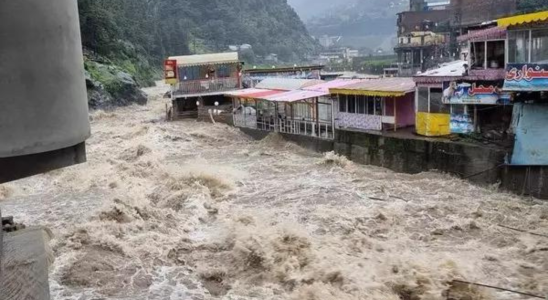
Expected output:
(125, 39)
(166, 27)
(360, 22)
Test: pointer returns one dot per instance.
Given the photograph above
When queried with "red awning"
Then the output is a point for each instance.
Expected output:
(493, 33)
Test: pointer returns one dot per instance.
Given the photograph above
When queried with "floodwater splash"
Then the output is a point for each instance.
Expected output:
(190, 210)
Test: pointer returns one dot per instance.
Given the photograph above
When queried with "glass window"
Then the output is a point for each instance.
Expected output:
(495, 54)
(342, 103)
(518, 46)
(423, 99)
(352, 104)
(436, 104)
(371, 106)
(478, 55)
(362, 102)
(539, 46)
(378, 106)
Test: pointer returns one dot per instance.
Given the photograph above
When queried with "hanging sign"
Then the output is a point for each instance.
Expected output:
(472, 93)
(526, 77)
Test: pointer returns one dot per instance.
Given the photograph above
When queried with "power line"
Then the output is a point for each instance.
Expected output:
(499, 288)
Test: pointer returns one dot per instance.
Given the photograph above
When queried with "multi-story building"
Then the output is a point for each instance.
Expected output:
(527, 77)
(423, 36)
(201, 80)
(427, 33)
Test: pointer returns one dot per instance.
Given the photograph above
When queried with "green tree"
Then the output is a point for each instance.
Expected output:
(529, 6)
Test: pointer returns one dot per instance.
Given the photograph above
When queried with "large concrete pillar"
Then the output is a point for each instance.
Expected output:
(43, 102)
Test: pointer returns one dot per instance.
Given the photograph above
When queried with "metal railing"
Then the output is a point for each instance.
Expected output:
(324, 130)
(185, 87)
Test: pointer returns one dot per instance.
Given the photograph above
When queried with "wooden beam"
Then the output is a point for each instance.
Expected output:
(317, 116)
(395, 114)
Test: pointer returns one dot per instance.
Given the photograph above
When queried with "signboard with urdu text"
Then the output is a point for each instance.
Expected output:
(472, 93)
(526, 77)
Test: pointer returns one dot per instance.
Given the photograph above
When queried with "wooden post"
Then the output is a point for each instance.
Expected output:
(276, 129)
(333, 114)
(395, 114)
(292, 118)
(475, 118)
(256, 113)
(318, 116)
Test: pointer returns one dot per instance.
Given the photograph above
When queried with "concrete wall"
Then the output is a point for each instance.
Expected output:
(482, 165)
(531, 146)
(43, 102)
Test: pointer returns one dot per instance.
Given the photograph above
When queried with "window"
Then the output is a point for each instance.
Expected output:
(342, 103)
(478, 55)
(436, 104)
(352, 104)
(362, 102)
(423, 99)
(371, 106)
(378, 107)
(539, 46)
(518, 46)
(495, 54)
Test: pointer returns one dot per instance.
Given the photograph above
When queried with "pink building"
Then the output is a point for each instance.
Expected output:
(376, 104)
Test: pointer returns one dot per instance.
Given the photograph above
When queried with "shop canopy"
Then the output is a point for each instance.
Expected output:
(286, 84)
(493, 33)
(523, 19)
(252, 93)
(296, 95)
(385, 87)
(337, 83)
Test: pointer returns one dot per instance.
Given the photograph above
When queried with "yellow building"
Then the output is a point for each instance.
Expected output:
(433, 116)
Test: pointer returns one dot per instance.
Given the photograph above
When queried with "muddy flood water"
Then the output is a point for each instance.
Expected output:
(189, 210)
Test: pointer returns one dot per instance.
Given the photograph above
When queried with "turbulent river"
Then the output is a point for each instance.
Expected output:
(189, 210)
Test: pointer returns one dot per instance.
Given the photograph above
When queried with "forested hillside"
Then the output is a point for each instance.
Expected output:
(134, 36)
(167, 27)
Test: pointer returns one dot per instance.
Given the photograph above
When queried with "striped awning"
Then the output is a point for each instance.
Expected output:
(252, 93)
(523, 19)
(493, 33)
(296, 95)
(385, 87)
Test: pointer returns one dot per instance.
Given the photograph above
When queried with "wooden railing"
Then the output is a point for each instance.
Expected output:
(186, 87)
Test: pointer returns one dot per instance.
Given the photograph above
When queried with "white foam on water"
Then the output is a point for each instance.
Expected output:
(189, 210)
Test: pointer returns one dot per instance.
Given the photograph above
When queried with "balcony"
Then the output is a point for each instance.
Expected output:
(421, 39)
(206, 86)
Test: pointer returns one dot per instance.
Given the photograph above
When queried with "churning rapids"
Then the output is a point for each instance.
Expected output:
(189, 210)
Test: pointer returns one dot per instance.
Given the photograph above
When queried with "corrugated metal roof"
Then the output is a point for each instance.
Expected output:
(385, 87)
(483, 35)
(455, 68)
(252, 93)
(206, 59)
(297, 95)
(523, 19)
(286, 84)
(324, 87)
